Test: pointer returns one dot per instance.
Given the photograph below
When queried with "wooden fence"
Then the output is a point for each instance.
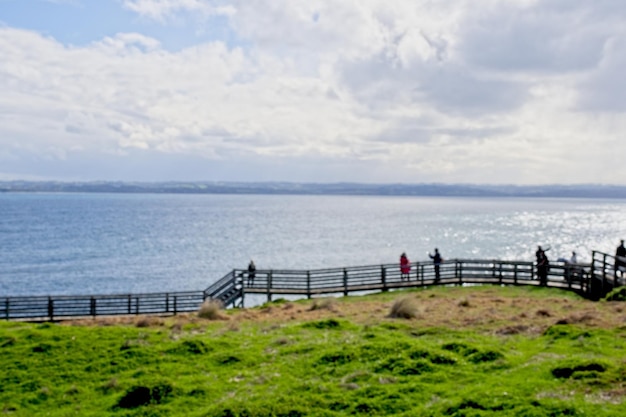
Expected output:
(590, 280)
(375, 278)
(69, 306)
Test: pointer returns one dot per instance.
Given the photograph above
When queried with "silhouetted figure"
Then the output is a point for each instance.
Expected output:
(405, 267)
(437, 262)
(543, 266)
(573, 270)
(620, 259)
(251, 273)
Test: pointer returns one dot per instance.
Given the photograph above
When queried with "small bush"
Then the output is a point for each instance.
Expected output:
(404, 308)
(211, 310)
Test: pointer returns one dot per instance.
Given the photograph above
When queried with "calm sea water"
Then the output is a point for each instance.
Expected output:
(118, 243)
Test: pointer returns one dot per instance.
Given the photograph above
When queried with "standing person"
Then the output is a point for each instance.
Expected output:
(539, 253)
(543, 265)
(251, 272)
(620, 258)
(405, 267)
(437, 259)
(573, 269)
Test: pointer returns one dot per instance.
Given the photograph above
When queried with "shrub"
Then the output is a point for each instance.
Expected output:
(211, 309)
(404, 308)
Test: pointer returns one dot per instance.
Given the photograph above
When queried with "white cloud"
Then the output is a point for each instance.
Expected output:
(164, 10)
(499, 91)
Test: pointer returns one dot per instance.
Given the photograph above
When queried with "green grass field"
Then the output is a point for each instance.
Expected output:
(344, 358)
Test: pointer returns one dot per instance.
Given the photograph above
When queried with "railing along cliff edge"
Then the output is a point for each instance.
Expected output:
(592, 280)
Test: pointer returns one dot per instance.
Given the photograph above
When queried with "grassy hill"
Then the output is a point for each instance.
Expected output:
(476, 351)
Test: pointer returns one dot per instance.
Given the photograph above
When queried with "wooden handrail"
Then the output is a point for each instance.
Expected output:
(590, 280)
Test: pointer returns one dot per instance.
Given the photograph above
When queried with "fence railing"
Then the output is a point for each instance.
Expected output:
(67, 306)
(607, 273)
(591, 280)
(311, 283)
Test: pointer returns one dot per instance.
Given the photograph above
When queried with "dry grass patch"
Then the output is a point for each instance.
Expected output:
(464, 302)
(149, 321)
(324, 304)
(212, 310)
(404, 308)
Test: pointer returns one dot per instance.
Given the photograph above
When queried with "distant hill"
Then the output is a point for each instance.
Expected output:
(451, 190)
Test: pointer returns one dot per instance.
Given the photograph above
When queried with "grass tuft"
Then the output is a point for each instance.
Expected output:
(618, 294)
(149, 321)
(141, 395)
(464, 303)
(404, 308)
(211, 310)
(323, 304)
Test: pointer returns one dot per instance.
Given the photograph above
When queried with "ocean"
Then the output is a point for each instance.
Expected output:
(89, 243)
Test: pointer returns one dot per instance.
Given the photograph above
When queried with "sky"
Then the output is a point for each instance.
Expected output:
(371, 91)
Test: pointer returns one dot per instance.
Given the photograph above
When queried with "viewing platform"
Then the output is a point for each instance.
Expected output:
(591, 280)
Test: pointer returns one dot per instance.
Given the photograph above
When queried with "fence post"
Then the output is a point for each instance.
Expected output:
(345, 282)
(92, 306)
(308, 284)
(130, 303)
(243, 293)
(269, 287)
(167, 302)
(500, 271)
(383, 277)
(459, 271)
(515, 274)
(51, 308)
(6, 313)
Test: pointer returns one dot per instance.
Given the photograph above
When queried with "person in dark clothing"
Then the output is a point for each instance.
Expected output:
(620, 259)
(251, 273)
(436, 262)
(543, 266)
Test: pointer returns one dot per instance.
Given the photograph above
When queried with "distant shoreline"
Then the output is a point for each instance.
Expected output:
(346, 189)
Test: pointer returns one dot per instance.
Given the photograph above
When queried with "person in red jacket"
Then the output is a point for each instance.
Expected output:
(405, 267)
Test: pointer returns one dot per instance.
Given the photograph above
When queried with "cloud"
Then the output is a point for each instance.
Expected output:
(605, 89)
(551, 36)
(164, 10)
(488, 91)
